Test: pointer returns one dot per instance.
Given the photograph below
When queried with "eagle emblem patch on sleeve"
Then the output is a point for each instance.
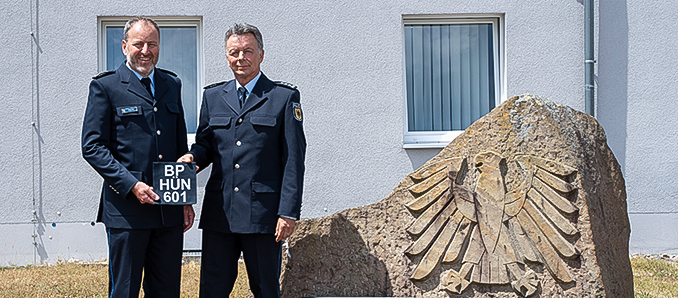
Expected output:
(298, 115)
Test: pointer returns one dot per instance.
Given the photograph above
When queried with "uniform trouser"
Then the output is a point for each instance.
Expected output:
(219, 266)
(156, 252)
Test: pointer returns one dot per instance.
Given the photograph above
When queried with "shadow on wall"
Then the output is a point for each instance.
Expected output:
(612, 114)
(612, 78)
(418, 157)
(38, 142)
(332, 261)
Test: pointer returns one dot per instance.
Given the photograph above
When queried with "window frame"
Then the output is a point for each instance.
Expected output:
(163, 21)
(440, 139)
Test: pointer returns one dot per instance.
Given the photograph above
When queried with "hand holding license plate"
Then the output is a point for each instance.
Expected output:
(175, 183)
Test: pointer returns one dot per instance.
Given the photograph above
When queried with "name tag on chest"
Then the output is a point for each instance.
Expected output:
(175, 183)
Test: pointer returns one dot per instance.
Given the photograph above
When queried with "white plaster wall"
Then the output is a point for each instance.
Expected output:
(637, 78)
(15, 117)
(345, 56)
(61, 242)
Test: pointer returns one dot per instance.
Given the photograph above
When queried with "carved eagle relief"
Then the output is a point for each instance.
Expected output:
(487, 232)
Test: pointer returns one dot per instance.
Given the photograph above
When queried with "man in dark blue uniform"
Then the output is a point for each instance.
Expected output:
(251, 131)
(134, 117)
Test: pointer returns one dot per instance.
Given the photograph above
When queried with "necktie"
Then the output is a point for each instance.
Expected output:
(242, 96)
(147, 83)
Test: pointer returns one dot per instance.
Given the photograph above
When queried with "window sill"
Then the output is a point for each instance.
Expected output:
(425, 145)
(432, 140)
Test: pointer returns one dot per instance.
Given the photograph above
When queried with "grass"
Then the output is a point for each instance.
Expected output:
(89, 280)
(654, 278)
(651, 278)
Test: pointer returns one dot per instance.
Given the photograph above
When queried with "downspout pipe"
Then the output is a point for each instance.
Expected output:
(589, 57)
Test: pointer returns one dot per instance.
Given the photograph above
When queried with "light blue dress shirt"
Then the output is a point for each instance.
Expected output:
(249, 86)
(149, 76)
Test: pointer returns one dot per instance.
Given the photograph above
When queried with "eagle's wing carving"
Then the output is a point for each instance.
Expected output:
(541, 216)
(489, 232)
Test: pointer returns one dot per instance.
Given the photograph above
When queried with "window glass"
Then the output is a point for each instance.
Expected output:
(450, 77)
(114, 55)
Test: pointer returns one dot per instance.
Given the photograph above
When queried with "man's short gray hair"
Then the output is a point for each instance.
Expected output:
(135, 20)
(244, 28)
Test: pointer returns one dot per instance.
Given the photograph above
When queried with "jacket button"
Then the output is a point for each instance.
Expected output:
(160, 156)
(239, 120)
(236, 189)
(155, 109)
(238, 143)
(237, 166)
(158, 132)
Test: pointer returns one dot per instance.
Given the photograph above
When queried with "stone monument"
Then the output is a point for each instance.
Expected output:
(528, 202)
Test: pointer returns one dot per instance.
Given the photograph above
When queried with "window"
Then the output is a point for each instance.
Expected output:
(452, 76)
(180, 52)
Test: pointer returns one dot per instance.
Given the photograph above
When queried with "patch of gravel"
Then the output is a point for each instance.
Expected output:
(664, 257)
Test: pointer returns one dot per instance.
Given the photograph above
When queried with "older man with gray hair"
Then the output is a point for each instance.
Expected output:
(251, 132)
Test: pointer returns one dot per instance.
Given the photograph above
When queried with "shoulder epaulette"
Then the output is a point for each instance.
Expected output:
(167, 71)
(214, 85)
(103, 74)
(285, 84)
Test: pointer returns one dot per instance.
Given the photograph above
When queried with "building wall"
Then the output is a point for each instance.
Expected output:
(637, 87)
(347, 59)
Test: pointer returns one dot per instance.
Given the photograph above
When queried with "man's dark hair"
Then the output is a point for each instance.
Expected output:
(244, 28)
(134, 20)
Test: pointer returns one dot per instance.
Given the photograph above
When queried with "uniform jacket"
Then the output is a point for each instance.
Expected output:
(257, 156)
(123, 133)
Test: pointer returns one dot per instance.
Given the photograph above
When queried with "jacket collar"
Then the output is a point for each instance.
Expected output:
(258, 94)
(135, 86)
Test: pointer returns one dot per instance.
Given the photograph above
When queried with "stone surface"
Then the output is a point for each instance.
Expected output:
(528, 201)
(497, 230)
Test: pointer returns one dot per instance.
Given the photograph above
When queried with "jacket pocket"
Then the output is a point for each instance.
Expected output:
(263, 121)
(117, 205)
(265, 187)
(173, 107)
(265, 202)
(220, 122)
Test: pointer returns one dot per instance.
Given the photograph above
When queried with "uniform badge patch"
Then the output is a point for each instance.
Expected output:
(130, 110)
(297, 111)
